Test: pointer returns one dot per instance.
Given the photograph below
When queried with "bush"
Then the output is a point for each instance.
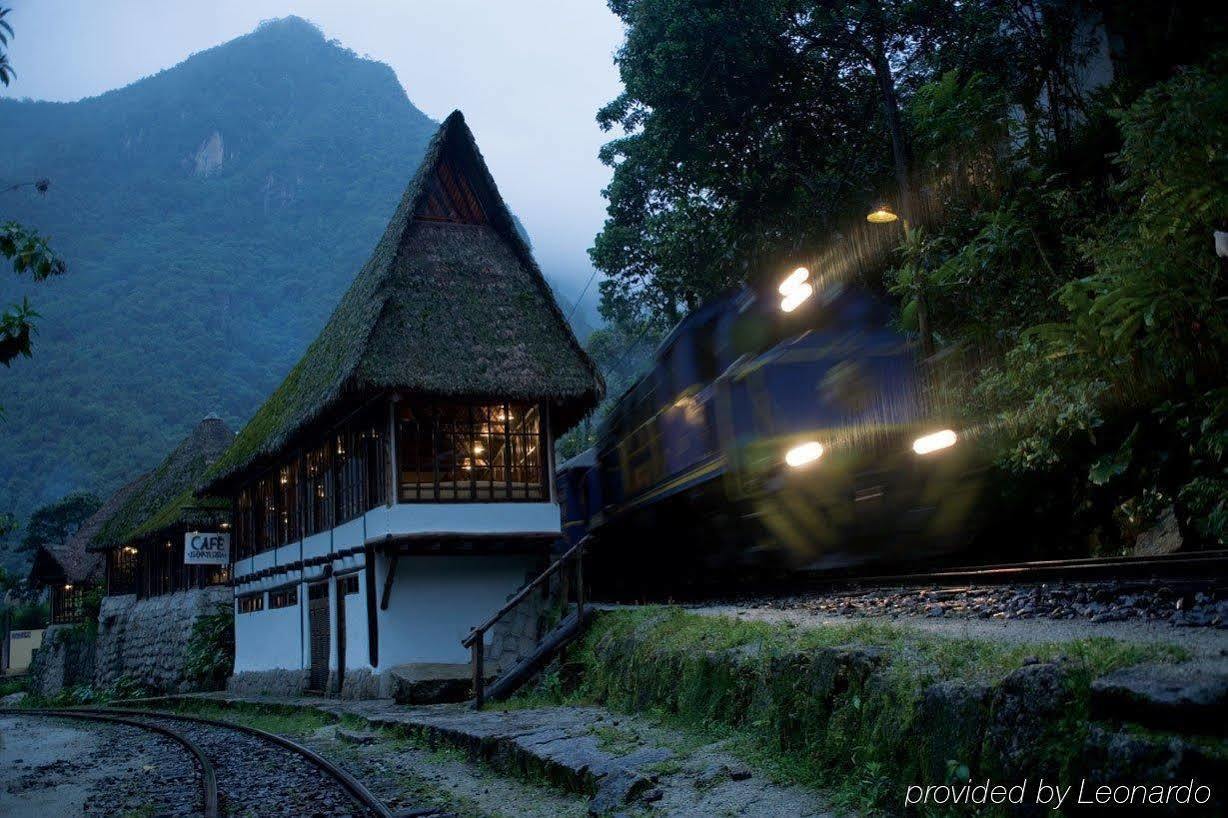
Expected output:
(211, 650)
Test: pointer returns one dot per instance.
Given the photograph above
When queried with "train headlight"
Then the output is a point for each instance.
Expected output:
(797, 297)
(934, 442)
(795, 289)
(804, 454)
(795, 278)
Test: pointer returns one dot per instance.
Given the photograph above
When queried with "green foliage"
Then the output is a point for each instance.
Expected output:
(26, 615)
(209, 657)
(1129, 381)
(55, 523)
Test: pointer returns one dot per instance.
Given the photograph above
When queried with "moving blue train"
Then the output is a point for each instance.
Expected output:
(775, 430)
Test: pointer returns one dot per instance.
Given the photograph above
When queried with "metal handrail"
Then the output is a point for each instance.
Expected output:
(474, 640)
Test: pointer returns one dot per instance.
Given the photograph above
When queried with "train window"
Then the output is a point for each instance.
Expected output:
(705, 352)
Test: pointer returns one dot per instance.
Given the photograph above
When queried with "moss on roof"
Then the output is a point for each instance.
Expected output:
(454, 310)
(74, 559)
(165, 496)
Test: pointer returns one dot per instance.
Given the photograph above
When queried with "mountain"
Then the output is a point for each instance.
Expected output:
(211, 216)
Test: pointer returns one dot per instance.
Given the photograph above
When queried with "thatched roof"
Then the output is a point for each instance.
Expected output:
(73, 561)
(450, 304)
(164, 496)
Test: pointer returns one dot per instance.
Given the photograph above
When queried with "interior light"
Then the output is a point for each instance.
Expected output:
(798, 276)
(804, 453)
(796, 297)
(934, 442)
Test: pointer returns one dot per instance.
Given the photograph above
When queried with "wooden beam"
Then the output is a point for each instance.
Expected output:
(372, 626)
(392, 572)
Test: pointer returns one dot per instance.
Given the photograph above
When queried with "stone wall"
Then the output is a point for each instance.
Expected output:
(918, 710)
(66, 659)
(520, 631)
(146, 640)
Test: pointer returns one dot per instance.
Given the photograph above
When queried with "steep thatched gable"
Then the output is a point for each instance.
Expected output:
(73, 561)
(164, 496)
(451, 303)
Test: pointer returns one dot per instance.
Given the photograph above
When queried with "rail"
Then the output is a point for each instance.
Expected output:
(208, 777)
(475, 641)
(356, 789)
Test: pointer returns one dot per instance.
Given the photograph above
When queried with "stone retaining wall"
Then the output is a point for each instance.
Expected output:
(845, 708)
(146, 640)
(65, 659)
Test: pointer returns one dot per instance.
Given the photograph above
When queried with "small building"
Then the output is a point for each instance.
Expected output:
(72, 574)
(398, 486)
(68, 575)
(155, 589)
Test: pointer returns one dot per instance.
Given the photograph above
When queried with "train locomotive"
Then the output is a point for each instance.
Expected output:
(776, 430)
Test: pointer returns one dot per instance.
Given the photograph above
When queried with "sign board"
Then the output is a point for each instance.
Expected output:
(206, 549)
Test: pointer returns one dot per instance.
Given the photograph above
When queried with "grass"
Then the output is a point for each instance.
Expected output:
(280, 719)
(791, 702)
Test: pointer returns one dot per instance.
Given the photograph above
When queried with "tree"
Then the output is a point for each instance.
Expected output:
(751, 129)
(57, 522)
(25, 248)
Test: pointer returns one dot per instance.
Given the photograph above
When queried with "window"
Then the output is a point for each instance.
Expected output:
(266, 512)
(348, 585)
(121, 570)
(283, 598)
(468, 453)
(67, 603)
(245, 525)
(317, 502)
(289, 520)
(251, 603)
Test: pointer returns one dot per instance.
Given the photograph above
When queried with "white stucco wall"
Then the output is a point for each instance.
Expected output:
(472, 518)
(436, 600)
(357, 656)
(269, 640)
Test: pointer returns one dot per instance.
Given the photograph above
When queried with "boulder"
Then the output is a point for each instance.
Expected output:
(1027, 711)
(1191, 697)
(949, 725)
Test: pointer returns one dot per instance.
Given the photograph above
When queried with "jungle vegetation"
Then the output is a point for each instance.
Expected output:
(1077, 154)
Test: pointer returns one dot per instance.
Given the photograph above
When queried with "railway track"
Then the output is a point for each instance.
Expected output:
(244, 770)
(1201, 566)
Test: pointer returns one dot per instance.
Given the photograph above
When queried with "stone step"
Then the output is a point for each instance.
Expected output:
(1190, 698)
(431, 683)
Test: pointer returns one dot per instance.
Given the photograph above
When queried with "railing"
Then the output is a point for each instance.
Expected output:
(475, 641)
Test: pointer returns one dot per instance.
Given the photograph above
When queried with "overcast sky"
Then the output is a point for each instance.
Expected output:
(529, 75)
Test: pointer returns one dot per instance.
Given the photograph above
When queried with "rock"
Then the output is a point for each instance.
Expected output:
(1162, 538)
(13, 700)
(616, 789)
(653, 795)
(1111, 757)
(354, 736)
(1190, 697)
(950, 725)
(431, 683)
(1025, 711)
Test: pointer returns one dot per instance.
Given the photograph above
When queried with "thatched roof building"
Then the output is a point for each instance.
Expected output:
(163, 498)
(451, 304)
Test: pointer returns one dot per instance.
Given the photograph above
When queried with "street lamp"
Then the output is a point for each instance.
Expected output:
(883, 214)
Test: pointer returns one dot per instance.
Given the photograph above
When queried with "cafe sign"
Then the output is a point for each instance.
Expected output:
(206, 549)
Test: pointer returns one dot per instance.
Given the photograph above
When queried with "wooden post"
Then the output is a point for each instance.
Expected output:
(479, 674)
